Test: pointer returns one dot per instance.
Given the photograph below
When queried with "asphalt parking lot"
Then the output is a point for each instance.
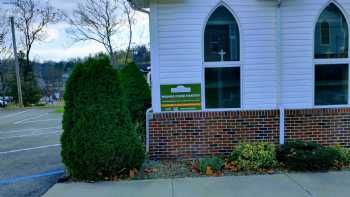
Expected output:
(30, 161)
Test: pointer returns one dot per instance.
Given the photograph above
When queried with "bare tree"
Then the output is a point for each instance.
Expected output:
(3, 34)
(130, 14)
(99, 21)
(32, 19)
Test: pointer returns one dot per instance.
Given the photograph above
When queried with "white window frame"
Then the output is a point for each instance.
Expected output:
(331, 61)
(222, 64)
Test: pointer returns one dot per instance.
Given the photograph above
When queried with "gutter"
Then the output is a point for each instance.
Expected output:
(279, 68)
(135, 7)
(149, 116)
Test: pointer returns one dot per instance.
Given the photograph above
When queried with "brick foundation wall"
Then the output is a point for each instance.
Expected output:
(324, 126)
(198, 134)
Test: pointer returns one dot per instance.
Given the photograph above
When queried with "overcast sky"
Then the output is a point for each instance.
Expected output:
(59, 46)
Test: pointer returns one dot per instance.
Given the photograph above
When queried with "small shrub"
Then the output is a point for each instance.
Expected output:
(40, 105)
(215, 163)
(254, 156)
(307, 156)
(99, 139)
(343, 155)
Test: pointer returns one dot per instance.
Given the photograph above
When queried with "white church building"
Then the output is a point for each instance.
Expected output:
(225, 71)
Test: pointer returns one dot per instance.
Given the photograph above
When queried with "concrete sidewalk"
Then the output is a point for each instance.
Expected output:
(333, 184)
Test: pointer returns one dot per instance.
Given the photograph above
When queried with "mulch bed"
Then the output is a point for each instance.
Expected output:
(182, 168)
(186, 168)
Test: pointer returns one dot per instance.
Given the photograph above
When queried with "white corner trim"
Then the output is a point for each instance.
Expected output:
(280, 70)
(282, 126)
(155, 73)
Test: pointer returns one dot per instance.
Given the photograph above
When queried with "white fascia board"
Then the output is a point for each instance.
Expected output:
(146, 3)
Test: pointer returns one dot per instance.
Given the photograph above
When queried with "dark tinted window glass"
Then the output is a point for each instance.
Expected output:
(331, 36)
(222, 87)
(325, 33)
(221, 37)
(331, 84)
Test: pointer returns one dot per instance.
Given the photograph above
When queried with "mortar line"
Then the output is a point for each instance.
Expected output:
(300, 185)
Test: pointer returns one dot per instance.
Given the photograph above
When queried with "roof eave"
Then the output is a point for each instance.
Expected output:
(141, 3)
(146, 3)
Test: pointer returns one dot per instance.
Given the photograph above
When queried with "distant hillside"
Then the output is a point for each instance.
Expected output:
(51, 76)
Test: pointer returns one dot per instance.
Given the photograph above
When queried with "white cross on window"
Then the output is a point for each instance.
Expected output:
(222, 53)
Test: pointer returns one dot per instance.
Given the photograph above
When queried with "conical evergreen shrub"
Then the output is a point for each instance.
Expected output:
(138, 94)
(99, 139)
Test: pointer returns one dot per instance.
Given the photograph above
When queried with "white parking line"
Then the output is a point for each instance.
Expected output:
(47, 120)
(28, 149)
(37, 134)
(29, 119)
(14, 114)
(29, 130)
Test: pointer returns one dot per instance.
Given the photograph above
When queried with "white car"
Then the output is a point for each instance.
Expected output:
(3, 103)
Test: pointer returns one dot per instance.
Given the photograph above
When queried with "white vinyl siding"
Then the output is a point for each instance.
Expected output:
(180, 29)
(178, 46)
(299, 19)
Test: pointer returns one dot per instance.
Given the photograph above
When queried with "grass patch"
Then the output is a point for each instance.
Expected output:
(60, 110)
(12, 106)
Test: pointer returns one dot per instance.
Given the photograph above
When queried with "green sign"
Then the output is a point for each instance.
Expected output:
(180, 97)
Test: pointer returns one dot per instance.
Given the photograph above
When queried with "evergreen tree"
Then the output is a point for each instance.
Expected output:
(99, 139)
(31, 92)
(138, 95)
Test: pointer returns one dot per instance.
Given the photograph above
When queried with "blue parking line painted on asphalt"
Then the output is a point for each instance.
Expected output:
(26, 178)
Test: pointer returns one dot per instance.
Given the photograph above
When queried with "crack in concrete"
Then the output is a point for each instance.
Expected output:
(172, 188)
(300, 185)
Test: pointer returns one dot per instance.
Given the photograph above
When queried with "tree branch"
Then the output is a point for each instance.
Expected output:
(32, 19)
(99, 21)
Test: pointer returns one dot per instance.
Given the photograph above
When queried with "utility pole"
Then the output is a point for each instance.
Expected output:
(2, 85)
(18, 78)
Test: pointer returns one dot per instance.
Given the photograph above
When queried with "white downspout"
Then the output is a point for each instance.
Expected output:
(149, 112)
(279, 73)
(149, 116)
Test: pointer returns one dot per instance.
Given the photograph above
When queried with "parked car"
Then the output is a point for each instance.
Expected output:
(3, 103)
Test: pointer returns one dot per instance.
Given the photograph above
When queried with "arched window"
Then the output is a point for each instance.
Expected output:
(331, 57)
(332, 36)
(222, 70)
(221, 37)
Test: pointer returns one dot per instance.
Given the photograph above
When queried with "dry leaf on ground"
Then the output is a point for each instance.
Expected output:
(209, 171)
